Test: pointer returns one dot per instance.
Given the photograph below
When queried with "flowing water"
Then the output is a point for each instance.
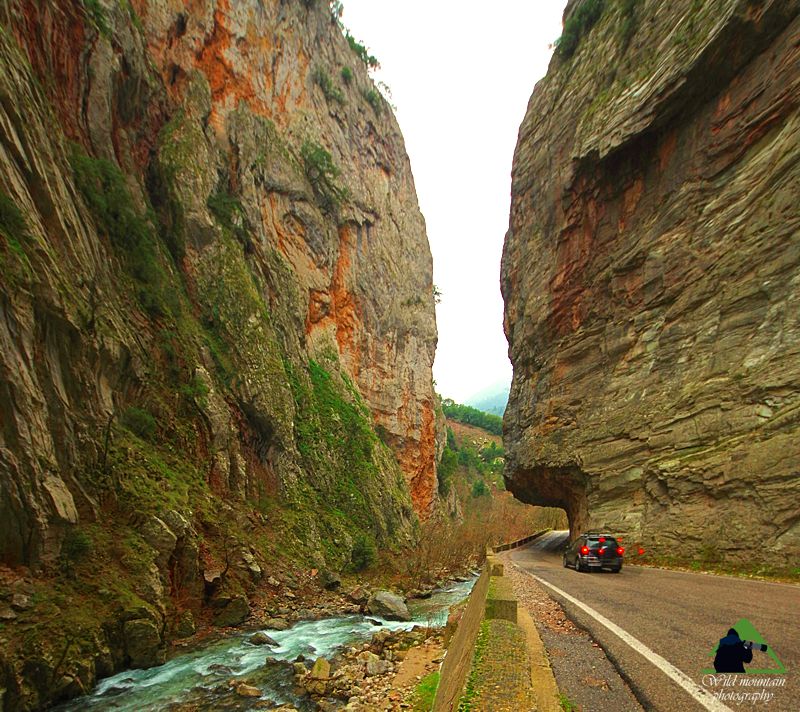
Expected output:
(200, 679)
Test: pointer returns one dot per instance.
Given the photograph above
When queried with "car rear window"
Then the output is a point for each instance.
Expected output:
(609, 540)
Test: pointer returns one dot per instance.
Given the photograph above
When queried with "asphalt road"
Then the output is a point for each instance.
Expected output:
(680, 617)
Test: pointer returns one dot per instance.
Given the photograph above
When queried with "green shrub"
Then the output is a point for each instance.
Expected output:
(444, 473)
(361, 51)
(12, 224)
(97, 15)
(322, 173)
(347, 75)
(76, 546)
(140, 422)
(331, 92)
(105, 193)
(374, 99)
(579, 23)
(363, 554)
(195, 390)
(479, 489)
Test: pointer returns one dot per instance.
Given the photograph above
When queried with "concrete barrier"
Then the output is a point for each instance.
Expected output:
(458, 661)
(493, 599)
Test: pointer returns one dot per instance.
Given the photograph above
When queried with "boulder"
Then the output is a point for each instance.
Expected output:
(143, 643)
(234, 613)
(359, 595)
(261, 638)
(321, 669)
(388, 605)
(330, 580)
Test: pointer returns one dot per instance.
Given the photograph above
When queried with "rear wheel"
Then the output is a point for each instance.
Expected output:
(578, 565)
(616, 570)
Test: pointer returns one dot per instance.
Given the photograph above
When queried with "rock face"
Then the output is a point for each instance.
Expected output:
(651, 277)
(216, 313)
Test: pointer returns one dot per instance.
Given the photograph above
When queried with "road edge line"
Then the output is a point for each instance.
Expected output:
(700, 695)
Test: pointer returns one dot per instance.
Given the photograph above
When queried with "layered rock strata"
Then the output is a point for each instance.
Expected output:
(651, 276)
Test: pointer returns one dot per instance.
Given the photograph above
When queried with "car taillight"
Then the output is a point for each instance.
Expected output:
(620, 550)
(602, 550)
(584, 550)
(602, 539)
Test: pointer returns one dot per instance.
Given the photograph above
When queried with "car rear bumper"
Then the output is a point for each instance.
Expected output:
(597, 563)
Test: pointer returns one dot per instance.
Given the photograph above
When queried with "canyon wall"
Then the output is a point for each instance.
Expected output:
(216, 321)
(651, 277)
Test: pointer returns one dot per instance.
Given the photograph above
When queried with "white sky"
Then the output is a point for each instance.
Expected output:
(461, 74)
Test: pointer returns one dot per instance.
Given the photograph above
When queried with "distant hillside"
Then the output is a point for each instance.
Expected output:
(472, 416)
(491, 400)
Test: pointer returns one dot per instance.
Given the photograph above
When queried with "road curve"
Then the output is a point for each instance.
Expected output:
(679, 616)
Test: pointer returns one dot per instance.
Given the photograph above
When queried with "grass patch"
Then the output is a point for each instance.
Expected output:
(229, 213)
(331, 92)
(465, 704)
(566, 704)
(425, 692)
(97, 16)
(14, 230)
(374, 99)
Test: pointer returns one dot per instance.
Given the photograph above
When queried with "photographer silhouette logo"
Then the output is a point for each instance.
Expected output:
(742, 645)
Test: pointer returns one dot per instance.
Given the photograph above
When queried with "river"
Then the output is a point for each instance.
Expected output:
(200, 679)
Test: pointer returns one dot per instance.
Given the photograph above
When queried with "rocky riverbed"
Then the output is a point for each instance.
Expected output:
(318, 662)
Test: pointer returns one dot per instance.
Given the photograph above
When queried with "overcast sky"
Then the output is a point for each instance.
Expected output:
(461, 74)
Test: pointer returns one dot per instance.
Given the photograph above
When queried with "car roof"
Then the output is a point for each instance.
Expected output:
(606, 534)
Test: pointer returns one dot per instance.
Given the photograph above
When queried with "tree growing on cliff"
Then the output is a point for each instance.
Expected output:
(578, 24)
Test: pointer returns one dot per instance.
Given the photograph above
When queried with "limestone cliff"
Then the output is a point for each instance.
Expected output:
(651, 276)
(217, 319)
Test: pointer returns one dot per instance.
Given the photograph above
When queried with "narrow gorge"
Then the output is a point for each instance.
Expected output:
(651, 279)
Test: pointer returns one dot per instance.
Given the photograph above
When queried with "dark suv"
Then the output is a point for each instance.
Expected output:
(594, 551)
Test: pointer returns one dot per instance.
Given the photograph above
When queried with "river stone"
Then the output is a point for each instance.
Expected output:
(378, 667)
(277, 624)
(143, 643)
(234, 613)
(388, 605)
(244, 690)
(321, 669)
(262, 638)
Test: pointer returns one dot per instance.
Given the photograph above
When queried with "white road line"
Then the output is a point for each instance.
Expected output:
(705, 698)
